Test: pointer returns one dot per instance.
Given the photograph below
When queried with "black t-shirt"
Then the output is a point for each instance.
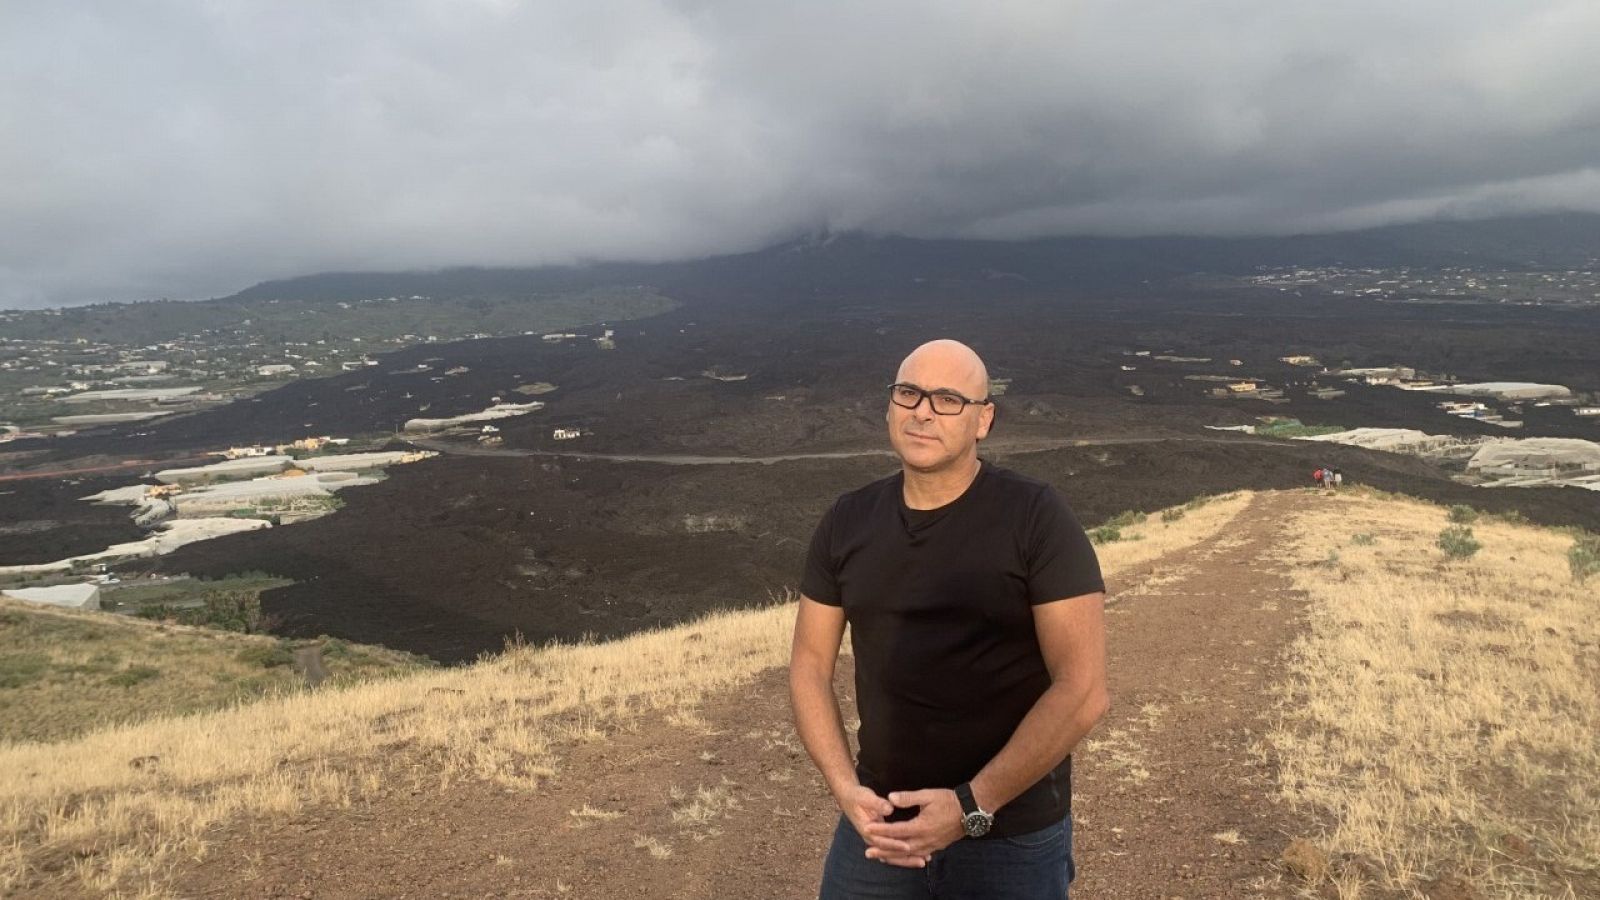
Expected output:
(940, 604)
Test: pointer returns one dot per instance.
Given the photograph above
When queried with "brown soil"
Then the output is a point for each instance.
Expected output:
(1170, 799)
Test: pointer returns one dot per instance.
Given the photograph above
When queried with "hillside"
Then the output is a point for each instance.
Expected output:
(66, 672)
(1285, 665)
(856, 262)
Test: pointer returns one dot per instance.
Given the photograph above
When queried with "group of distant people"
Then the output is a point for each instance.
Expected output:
(1328, 477)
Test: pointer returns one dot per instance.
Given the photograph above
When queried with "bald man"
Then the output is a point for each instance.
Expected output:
(975, 606)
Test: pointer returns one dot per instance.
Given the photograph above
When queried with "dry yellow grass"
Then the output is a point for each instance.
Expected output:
(1154, 538)
(127, 803)
(1444, 715)
(127, 800)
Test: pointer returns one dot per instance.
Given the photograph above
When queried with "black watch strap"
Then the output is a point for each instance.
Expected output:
(969, 804)
(975, 820)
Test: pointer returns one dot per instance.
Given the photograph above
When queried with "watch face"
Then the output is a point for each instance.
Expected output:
(977, 824)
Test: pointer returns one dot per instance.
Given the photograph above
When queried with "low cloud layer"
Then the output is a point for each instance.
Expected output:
(180, 149)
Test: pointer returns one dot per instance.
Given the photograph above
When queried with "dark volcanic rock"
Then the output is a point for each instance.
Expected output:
(451, 555)
(43, 520)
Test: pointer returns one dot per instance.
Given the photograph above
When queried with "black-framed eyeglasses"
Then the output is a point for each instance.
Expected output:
(943, 401)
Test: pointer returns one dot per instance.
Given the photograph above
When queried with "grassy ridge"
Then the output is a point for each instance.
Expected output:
(64, 673)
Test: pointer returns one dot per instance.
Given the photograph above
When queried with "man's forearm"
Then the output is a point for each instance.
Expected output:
(821, 728)
(1058, 720)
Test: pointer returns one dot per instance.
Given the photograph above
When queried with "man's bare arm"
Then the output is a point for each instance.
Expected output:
(818, 630)
(1072, 640)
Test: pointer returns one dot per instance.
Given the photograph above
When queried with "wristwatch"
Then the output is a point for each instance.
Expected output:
(974, 819)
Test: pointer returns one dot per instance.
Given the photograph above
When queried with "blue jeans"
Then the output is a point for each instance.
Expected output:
(1033, 866)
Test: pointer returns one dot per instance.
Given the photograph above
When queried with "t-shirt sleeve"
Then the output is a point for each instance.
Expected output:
(1061, 559)
(820, 581)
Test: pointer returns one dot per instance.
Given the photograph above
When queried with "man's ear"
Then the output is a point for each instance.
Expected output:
(986, 420)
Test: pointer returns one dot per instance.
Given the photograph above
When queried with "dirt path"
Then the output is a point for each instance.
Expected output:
(1170, 800)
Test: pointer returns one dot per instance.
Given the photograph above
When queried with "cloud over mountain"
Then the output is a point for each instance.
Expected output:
(181, 149)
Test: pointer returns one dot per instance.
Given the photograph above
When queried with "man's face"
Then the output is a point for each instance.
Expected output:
(925, 440)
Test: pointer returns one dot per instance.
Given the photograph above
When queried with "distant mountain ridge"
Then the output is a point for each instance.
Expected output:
(857, 261)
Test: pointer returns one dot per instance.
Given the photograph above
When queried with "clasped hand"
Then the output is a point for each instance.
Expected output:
(910, 843)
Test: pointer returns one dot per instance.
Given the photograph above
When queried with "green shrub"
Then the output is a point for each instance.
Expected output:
(232, 611)
(1461, 514)
(267, 656)
(1105, 534)
(229, 610)
(1512, 517)
(1171, 515)
(1290, 428)
(1584, 557)
(158, 611)
(133, 675)
(1457, 542)
(1363, 539)
(1126, 519)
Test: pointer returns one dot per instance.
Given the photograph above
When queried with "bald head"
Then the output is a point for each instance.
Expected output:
(945, 363)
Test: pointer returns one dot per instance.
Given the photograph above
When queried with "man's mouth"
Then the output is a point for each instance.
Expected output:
(921, 437)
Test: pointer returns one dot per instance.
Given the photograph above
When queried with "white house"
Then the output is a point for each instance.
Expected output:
(70, 596)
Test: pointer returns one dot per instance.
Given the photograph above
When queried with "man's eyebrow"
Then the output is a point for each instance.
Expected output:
(937, 390)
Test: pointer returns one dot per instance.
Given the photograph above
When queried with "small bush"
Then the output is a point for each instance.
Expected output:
(1171, 515)
(1461, 514)
(229, 610)
(134, 675)
(1126, 519)
(1584, 558)
(1289, 428)
(1512, 517)
(267, 656)
(158, 611)
(1363, 539)
(1457, 542)
(1105, 534)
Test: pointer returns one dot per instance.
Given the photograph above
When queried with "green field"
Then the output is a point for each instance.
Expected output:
(63, 673)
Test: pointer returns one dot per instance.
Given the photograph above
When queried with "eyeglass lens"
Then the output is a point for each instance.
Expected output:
(910, 397)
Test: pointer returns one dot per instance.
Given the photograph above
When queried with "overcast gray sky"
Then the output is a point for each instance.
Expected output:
(190, 149)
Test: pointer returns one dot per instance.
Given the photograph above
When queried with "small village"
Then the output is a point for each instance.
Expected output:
(52, 386)
(1499, 403)
(1485, 461)
(1567, 287)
